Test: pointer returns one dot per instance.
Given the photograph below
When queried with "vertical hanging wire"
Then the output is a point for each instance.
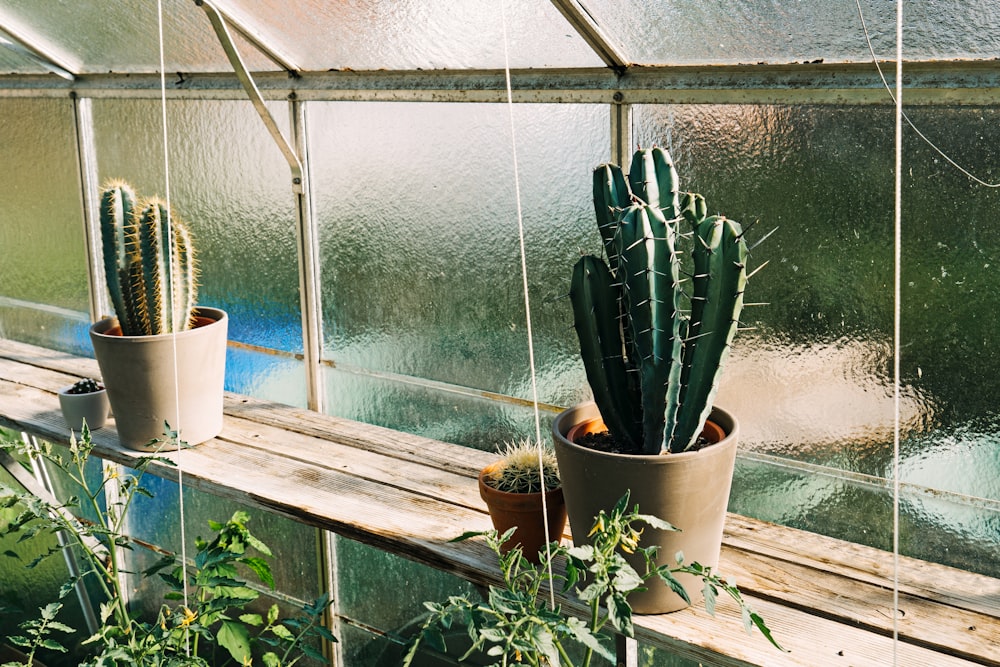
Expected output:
(170, 295)
(527, 302)
(897, 266)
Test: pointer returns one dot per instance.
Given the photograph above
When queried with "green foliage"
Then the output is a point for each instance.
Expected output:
(149, 263)
(516, 625)
(204, 619)
(517, 470)
(38, 634)
(653, 349)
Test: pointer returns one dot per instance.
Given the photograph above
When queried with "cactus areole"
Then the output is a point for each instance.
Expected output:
(655, 321)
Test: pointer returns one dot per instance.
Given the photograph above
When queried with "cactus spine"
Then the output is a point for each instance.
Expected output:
(517, 471)
(653, 352)
(148, 263)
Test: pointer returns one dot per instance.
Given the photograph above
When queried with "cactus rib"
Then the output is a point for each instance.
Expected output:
(594, 297)
(148, 263)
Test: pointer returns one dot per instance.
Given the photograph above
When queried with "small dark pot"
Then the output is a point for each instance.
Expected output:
(524, 510)
(690, 490)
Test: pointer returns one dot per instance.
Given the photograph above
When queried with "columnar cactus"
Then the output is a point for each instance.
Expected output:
(153, 284)
(652, 345)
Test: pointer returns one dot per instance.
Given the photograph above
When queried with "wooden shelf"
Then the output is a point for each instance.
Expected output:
(828, 601)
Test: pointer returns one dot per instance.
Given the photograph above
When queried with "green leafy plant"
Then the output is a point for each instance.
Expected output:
(205, 618)
(516, 625)
(38, 634)
(653, 345)
(517, 471)
(149, 263)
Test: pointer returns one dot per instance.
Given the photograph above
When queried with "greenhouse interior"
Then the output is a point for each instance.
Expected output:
(390, 200)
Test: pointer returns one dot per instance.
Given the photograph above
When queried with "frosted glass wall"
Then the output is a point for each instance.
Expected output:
(43, 271)
(715, 32)
(812, 382)
(421, 267)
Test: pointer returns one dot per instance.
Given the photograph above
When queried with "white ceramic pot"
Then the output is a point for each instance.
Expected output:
(92, 407)
(172, 378)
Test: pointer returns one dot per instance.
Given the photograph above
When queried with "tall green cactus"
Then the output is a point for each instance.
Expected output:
(652, 347)
(152, 283)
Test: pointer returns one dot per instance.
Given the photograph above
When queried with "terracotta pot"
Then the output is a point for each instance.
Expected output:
(92, 407)
(524, 510)
(690, 490)
(139, 373)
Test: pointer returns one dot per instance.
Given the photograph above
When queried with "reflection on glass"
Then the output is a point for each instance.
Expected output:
(420, 34)
(750, 31)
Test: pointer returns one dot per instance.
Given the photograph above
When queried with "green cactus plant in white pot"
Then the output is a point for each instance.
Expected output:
(162, 358)
(655, 321)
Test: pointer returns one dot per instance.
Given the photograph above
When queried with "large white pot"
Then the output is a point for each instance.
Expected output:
(173, 378)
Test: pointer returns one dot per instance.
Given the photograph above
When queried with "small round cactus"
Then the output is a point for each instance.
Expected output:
(518, 469)
(85, 386)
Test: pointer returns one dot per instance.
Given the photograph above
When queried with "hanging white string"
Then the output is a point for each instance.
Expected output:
(906, 118)
(170, 295)
(897, 263)
(527, 301)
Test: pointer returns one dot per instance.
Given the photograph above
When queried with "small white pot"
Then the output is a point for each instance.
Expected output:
(92, 407)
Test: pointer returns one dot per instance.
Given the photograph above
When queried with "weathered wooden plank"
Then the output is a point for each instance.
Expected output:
(919, 578)
(829, 595)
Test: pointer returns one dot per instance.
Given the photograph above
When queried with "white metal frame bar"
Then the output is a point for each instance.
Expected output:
(584, 23)
(14, 39)
(308, 252)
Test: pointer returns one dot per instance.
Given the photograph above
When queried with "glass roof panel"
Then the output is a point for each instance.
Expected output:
(688, 32)
(16, 63)
(98, 39)
(413, 34)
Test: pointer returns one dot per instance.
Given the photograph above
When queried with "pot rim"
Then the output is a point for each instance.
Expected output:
(65, 391)
(217, 315)
(509, 494)
(562, 424)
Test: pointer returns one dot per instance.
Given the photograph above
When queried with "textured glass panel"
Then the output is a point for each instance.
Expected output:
(386, 592)
(813, 380)
(266, 376)
(430, 411)
(752, 31)
(229, 181)
(43, 276)
(295, 546)
(943, 528)
(418, 34)
(421, 270)
(100, 37)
